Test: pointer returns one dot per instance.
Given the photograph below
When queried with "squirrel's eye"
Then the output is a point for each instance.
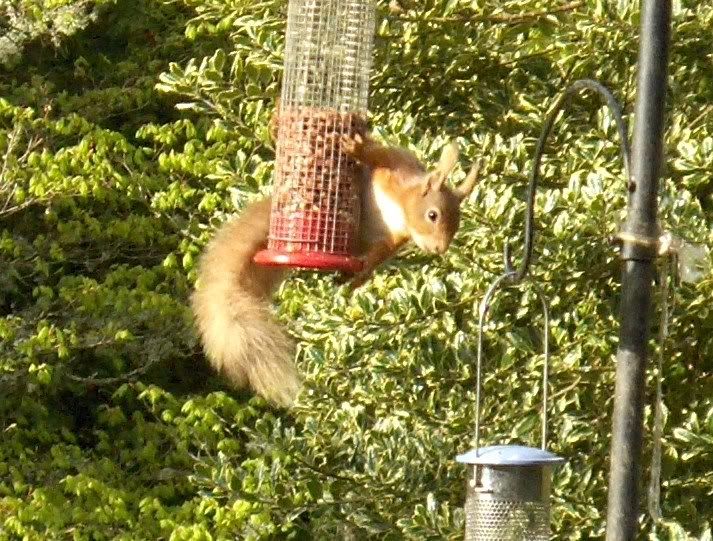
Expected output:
(432, 215)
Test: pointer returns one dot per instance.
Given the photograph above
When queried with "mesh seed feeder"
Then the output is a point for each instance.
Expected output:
(314, 217)
(508, 490)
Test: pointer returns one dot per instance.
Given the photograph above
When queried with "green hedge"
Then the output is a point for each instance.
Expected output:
(126, 140)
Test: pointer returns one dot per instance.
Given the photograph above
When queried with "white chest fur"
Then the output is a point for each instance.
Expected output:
(392, 214)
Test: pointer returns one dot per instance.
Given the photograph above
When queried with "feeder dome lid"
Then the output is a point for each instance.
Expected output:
(510, 455)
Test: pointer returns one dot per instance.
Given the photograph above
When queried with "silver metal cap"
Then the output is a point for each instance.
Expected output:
(510, 455)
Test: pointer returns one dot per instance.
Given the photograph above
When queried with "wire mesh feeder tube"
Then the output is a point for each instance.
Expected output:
(314, 220)
(508, 490)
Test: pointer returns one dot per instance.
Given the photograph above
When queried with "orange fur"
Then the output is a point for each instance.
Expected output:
(240, 336)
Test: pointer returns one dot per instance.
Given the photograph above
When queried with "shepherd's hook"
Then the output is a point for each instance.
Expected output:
(583, 84)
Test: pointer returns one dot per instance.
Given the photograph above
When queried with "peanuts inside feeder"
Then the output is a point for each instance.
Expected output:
(314, 220)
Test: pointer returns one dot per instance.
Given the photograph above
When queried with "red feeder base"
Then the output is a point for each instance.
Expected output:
(308, 260)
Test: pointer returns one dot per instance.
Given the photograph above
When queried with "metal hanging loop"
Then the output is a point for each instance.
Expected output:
(613, 104)
(485, 305)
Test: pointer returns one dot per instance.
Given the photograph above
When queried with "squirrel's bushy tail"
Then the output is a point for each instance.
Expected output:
(241, 338)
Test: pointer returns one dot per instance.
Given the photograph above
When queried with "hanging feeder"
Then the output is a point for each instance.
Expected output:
(508, 490)
(314, 219)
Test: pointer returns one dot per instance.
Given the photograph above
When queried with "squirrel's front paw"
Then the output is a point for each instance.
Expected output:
(359, 279)
(352, 144)
(353, 280)
(343, 277)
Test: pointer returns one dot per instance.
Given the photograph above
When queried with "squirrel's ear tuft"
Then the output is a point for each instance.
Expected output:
(466, 187)
(432, 182)
(448, 159)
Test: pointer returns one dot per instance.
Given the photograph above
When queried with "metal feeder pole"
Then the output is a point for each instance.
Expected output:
(639, 249)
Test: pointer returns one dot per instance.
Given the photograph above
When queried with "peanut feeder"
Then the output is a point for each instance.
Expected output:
(315, 210)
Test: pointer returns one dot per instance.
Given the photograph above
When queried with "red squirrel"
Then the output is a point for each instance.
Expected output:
(401, 201)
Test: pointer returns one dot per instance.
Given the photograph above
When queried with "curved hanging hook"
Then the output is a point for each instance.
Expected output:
(484, 308)
(582, 84)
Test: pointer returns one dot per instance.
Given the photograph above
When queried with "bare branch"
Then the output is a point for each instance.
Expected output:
(505, 18)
